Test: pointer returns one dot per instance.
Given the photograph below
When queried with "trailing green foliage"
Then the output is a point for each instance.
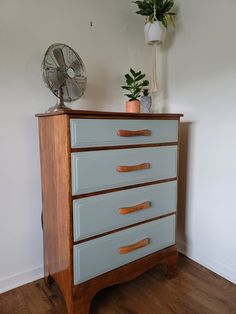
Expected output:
(163, 13)
(135, 83)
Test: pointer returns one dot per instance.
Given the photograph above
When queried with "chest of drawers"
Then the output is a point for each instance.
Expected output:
(109, 192)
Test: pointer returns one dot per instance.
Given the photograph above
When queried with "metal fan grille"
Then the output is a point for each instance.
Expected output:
(64, 72)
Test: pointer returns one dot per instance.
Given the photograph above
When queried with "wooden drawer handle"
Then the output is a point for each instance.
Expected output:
(133, 168)
(127, 133)
(132, 209)
(132, 247)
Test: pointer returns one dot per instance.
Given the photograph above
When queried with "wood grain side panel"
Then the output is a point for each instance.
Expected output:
(56, 199)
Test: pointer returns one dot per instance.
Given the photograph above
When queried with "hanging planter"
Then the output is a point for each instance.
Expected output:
(154, 33)
(158, 16)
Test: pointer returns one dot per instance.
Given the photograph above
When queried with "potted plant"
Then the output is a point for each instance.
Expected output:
(158, 16)
(146, 101)
(135, 83)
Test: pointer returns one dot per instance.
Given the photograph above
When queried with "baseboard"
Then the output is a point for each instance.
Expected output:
(211, 263)
(20, 279)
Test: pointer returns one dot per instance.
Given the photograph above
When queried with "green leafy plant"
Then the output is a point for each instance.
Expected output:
(135, 83)
(163, 10)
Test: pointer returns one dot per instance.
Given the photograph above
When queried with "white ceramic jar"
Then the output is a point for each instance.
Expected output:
(154, 33)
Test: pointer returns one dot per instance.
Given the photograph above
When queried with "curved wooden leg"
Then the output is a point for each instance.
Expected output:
(82, 297)
(82, 304)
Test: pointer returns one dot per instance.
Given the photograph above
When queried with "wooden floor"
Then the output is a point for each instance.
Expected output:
(196, 290)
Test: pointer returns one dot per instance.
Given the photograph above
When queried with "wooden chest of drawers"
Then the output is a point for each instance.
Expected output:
(109, 190)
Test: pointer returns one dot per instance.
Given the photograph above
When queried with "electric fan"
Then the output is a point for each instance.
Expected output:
(64, 74)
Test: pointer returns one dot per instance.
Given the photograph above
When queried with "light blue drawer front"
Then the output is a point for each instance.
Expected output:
(96, 171)
(98, 214)
(103, 132)
(101, 255)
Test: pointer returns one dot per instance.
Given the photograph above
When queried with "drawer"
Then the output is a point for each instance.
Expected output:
(105, 132)
(111, 251)
(98, 170)
(98, 214)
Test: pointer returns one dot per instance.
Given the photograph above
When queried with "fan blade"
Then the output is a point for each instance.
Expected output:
(55, 78)
(81, 82)
(74, 91)
(77, 67)
(58, 54)
(50, 62)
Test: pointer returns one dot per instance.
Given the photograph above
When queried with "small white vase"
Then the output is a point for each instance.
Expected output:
(154, 33)
(146, 103)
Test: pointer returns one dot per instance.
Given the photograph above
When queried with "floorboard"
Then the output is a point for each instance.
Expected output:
(196, 290)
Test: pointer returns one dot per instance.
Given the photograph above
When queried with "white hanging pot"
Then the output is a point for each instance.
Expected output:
(154, 33)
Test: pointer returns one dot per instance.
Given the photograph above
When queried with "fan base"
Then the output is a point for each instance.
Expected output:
(58, 107)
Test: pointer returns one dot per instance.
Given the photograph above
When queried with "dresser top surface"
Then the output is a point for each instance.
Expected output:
(106, 114)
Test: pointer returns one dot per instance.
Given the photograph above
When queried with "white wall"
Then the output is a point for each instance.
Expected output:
(108, 49)
(202, 84)
(198, 78)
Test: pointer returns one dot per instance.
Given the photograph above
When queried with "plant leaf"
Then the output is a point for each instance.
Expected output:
(140, 77)
(132, 72)
(129, 79)
(129, 95)
(145, 83)
(126, 87)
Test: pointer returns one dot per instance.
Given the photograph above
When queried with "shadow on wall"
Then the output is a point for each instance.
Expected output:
(185, 134)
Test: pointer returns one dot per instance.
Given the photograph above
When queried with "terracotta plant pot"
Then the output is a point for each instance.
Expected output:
(132, 106)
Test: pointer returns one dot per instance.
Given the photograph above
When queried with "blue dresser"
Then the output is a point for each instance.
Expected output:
(109, 192)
